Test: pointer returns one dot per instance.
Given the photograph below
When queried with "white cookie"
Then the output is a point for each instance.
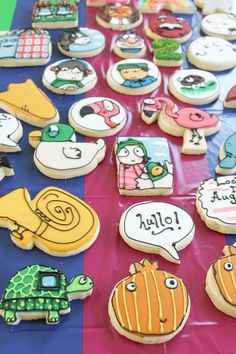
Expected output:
(10, 133)
(220, 25)
(227, 156)
(212, 6)
(129, 45)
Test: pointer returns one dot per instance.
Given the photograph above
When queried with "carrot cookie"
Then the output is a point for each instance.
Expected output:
(176, 6)
(130, 45)
(167, 52)
(227, 156)
(212, 6)
(220, 25)
(230, 99)
(6, 168)
(10, 133)
(150, 306)
(97, 116)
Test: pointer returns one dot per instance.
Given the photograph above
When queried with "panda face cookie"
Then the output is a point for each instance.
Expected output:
(130, 45)
(220, 25)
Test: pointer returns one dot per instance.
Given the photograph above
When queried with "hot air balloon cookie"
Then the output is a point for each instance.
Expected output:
(227, 155)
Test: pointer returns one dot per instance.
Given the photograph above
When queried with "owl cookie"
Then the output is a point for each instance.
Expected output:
(220, 25)
(227, 156)
(167, 52)
(130, 45)
(11, 132)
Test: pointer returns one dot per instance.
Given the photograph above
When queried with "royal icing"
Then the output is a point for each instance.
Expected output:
(10, 133)
(167, 26)
(129, 42)
(228, 155)
(167, 50)
(211, 6)
(6, 168)
(176, 6)
(120, 16)
(231, 95)
(220, 25)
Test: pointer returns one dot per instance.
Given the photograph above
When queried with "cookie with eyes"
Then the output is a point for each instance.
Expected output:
(220, 25)
(212, 53)
(227, 156)
(130, 45)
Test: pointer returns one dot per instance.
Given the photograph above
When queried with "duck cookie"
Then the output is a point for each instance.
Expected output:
(81, 42)
(58, 154)
(176, 6)
(194, 86)
(156, 227)
(144, 166)
(97, 116)
(215, 203)
(220, 25)
(130, 45)
(221, 282)
(191, 123)
(38, 291)
(167, 26)
(227, 156)
(55, 14)
(119, 17)
(69, 77)
(230, 99)
(212, 6)
(6, 169)
(98, 3)
(55, 221)
(150, 306)
(28, 102)
(212, 53)
(26, 47)
(167, 52)
(10, 133)
(134, 77)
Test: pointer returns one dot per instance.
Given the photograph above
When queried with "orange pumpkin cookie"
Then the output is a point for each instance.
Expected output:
(151, 306)
(221, 282)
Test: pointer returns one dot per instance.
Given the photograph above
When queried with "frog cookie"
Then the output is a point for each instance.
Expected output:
(130, 45)
(230, 99)
(150, 306)
(167, 52)
(176, 6)
(55, 221)
(227, 156)
(6, 169)
(10, 133)
(220, 25)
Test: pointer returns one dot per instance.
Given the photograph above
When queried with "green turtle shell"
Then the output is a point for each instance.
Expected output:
(36, 288)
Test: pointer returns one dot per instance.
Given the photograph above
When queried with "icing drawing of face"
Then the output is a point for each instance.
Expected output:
(130, 44)
(8, 45)
(10, 133)
(176, 6)
(227, 155)
(220, 25)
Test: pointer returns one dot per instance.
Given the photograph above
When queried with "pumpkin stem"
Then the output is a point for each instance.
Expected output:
(143, 266)
(229, 250)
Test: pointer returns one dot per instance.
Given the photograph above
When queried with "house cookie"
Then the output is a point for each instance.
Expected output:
(6, 169)
(167, 52)
(212, 6)
(97, 117)
(10, 133)
(220, 25)
(227, 156)
(230, 99)
(130, 45)
(176, 6)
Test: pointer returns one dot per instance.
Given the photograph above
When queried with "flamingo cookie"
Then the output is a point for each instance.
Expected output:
(191, 123)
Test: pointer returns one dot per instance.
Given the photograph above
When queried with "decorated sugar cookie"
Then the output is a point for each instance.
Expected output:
(55, 221)
(215, 202)
(212, 53)
(144, 166)
(130, 45)
(230, 99)
(10, 133)
(176, 6)
(194, 86)
(26, 47)
(6, 169)
(134, 77)
(220, 25)
(97, 116)
(29, 103)
(98, 3)
(70, 77)
(156, 227)
(81, 42)
(55, 14)
(191, 123)
(58, 154)
(167, 52)
(119, 17)
(38, 291)
(221, 282)
(227, 156)
(150, 306)
(212, 6)
(167, 26)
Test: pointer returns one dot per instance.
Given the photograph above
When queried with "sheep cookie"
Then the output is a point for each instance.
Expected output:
(176, 6)
(220, 25)
(11, 132)
(81, 42)
(167, 52)
(134, 77)
(69, 77)
(194, 86)
(150, 306)
(130, 45)
(227, 156)
(97, 116)
(230, 99)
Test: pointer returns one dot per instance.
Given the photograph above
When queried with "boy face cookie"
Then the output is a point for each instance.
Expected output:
(10, 133)
(129, 45)
(220, 25)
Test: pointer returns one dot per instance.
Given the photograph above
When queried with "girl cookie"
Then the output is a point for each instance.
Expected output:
(134, 77)
(167, 26)
(194, 86)
(69, 77)
(55, 221)
(119, 17)
(227, 156)
(81, 42)
(6, 168)
(167, 52)
(58, 154)
(176, 6)
(212, 6)
(144, 166)
(10, 133)
(130, 45)
(220, 25)
(150, 306)
(97, 116)
(230, 99)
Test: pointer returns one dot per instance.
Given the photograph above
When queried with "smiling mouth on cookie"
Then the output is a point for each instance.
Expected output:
(163, 321)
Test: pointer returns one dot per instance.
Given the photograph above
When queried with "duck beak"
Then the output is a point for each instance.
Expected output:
(34, 138)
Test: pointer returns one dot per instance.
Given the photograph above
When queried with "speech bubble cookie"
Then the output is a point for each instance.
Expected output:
(216, 203)
(156, 227)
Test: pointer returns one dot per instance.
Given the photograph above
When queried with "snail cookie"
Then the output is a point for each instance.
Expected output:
(230, 99)
(144, 166)
(212, 6)
(150, 306)
(220, 25)
(212, 53)
(227, 156)
(194, 86)
(134, 77)
(6, 168)
(69, 77)
(55, 221)
(176, 6)
(167, 52)
(97, 116)
(167, 26)
(29, 103)
(81, 42)
(130, 45)
(38, 291)
(26, 47)
(10, 133)
(221, 282)
(119, 17)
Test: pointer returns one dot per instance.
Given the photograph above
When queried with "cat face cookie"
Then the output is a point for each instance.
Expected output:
(130, 45)
(227, 156)
(6, 168)
(10, 133)
(220, 25)
(176, 6)
(230, 99)
(167, 52)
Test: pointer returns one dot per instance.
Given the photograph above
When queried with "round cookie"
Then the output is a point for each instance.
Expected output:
(81, 42)
(227, 156)
(97, 116)
(194, 86)
(134, 77)
(167, 26)
(129, 45)
(212, 53)
(119, 17)
(220, 25)
(69, 77)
